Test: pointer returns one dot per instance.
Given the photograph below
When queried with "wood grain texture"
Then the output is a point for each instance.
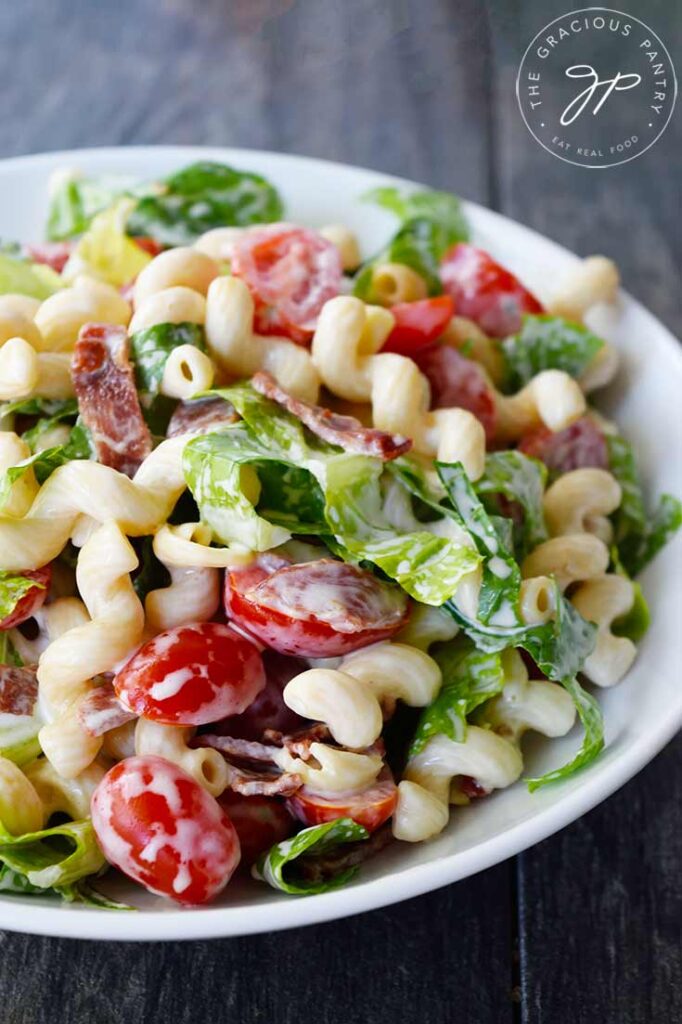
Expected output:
(412, 963)
(422, 88)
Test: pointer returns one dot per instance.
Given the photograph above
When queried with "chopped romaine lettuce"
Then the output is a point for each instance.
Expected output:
(548, 343)
(8, 654)
(520, 479)
(639, 537)
(106, 251)
(635, 624)
(54, 856)
(25, 278)
(431, 223)
(150, 348)
(76, 200)
(279, 869)
(498, 601)
(592, 722)
(57, 408)
(12, 588)
(44, 463)
(348, 487)
(470, 677)
(204, 195)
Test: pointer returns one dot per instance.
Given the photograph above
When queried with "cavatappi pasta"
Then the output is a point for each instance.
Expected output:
(235, 623)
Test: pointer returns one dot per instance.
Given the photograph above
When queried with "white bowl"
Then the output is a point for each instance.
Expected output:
(641, 714)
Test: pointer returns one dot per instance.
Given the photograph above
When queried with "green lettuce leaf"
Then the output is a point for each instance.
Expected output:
(470, 677)
(345, 487)
(54, 856)
(55, 408)
(522, 480)
(202, 196)
(12, 588)
(639, 536)
(500, 586)
(547, 343)
(279, 869)
(636, 623)
(559, 649)
(83, 892)
(592, 722)
(8, 654)
(431, 223)
(150, 348)
(105, 251)
(77, 200)
(44, 463)
(26, 278)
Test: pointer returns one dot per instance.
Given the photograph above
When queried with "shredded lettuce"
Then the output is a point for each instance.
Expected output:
(470, 677)
(345, 493)
(25, 278)
(76, 201)
(105, 250)
(79, 446)
(431, 222)
(522, 480)
(12, 588)
(278, 867)
(635, 624)
(151, 347)
(639, 537)
(8, 654)
(57, 408)
(547, 343)
(202, 196)
(54, 856)
(559, 649)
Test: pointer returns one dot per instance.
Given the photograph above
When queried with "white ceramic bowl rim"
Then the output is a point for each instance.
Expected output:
(597, 783)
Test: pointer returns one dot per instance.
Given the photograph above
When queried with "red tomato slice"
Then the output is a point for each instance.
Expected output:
(32, 600)
(579, 446)
(150, 245)
(317, 609)
(162, 829)
(260, 821)
(52, 254)
(192, 675)
(484, 291)
(268, 711)
(291, 273)
(419, 323)
(458, 381)
(371, 807)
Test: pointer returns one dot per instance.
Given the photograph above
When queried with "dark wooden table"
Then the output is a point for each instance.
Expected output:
(587, 926)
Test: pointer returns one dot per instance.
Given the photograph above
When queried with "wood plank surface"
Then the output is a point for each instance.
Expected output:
(422, 88)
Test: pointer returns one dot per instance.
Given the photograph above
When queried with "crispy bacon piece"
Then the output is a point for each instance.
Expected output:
(102, 711)
(344, 431)
(18, 690)
(233, 747)
(250, 783)
(201, 416)
(318, 869)
(105, 387)
(299, 743)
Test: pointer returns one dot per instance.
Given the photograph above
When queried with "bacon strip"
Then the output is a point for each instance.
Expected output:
(105, 387)
(344, 431)
(102, 711)
(201, 416)
(243, 750)
(18, 690)
(299, 743)
(250, 783)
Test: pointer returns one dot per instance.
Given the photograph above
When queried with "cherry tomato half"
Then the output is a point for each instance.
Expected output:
(32, 600)
(319, 609)
(260, 821)
(418, 324)
(458, 381)
(268, 711)
(192, 675)
(576, 447)
(370, 807)
(53, 254)
(484, 291)
(291, 272)
(162, 829)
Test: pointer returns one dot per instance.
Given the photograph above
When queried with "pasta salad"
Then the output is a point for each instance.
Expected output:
(296, 543)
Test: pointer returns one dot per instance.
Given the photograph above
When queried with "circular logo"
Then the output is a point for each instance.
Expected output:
(596, 87)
